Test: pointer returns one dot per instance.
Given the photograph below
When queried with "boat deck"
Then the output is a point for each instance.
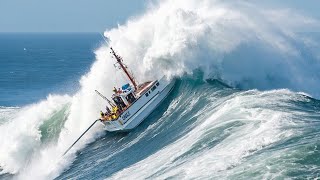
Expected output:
(143, 87)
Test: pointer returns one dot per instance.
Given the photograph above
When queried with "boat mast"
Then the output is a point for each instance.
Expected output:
(119, 60)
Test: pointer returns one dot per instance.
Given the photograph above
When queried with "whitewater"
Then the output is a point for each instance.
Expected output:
(245, 104)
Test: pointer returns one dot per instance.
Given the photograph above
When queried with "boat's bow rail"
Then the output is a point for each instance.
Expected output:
(125, 99)
(131, 103)
(143, 88)
(150, 96)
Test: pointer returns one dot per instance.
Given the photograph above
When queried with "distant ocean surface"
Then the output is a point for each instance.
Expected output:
(35, 65)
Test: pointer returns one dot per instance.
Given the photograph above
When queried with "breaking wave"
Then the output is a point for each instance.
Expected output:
(242, 44)
(222, 130)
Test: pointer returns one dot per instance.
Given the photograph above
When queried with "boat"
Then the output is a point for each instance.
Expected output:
(131, 104)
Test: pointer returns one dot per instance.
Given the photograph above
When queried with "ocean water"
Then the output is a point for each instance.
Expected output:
(245, 104)
(35, 65)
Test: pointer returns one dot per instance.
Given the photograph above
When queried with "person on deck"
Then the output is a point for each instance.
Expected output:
(107, 110)
(102, 115)
(115, 90)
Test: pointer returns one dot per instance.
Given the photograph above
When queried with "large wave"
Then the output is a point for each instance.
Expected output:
(210, 130)
(242, 44)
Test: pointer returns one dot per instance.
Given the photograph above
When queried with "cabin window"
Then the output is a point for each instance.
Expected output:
(157, 84)
(147, 94)
(119, 102)
(153, 88)
(130, 98)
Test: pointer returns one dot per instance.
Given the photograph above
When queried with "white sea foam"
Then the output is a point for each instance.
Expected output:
(171, 38)
(261, 128)
(20, 135)
(243, 44)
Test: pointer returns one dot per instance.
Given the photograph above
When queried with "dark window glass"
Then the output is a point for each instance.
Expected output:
(130, 98)
(157, 84)
(153, 88)
(147, 94)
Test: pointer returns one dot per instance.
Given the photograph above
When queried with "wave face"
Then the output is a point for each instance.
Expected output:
(205, 129)
(210, 130)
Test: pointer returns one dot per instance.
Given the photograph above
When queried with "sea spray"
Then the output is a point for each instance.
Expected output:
(244, 45)
(21, 136)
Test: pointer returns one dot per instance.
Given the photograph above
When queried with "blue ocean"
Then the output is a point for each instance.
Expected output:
(35, 65)
(245, 104)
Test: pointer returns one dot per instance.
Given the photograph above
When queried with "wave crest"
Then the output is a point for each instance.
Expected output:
(241, 43)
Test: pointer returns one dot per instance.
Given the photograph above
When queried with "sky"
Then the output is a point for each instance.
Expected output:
(95, 15)
(66, 15)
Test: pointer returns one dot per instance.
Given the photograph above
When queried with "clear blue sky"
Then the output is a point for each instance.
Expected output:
(93, 15)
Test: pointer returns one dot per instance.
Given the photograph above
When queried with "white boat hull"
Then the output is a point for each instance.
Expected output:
(142, 107)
